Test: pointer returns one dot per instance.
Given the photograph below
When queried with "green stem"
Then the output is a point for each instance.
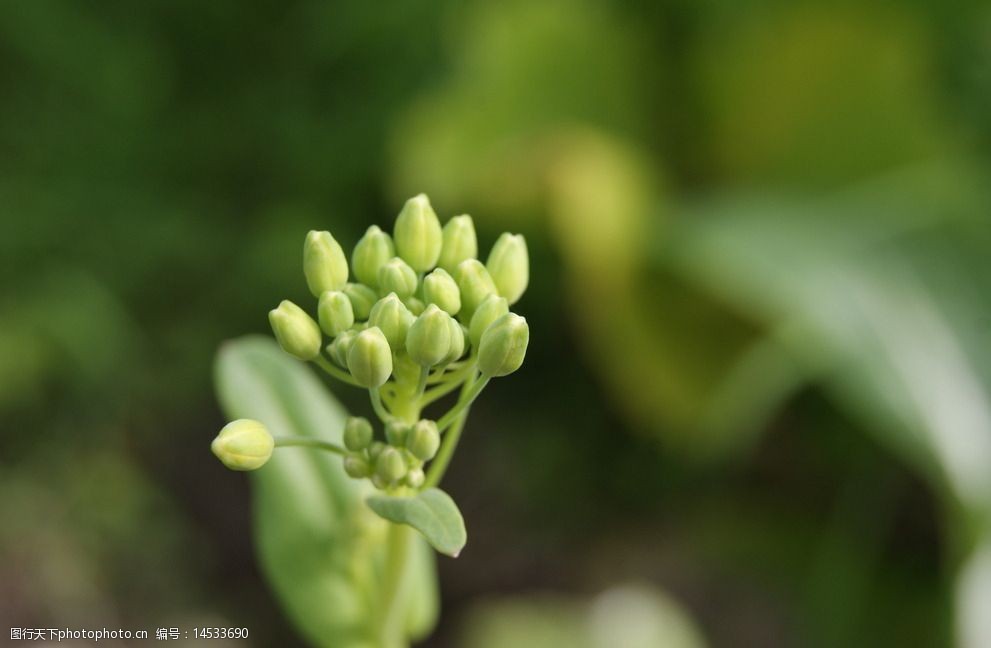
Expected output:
(451, 382)
(439, 376)
(377, 405)
(421, 385)
(405, 407)
(306, 442)
(395, 585)
(439, 465)
(438, 393)
(454, 371)
(468, 395)
(333, 371)
(388, 400)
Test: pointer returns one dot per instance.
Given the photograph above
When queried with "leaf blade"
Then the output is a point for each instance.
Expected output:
(431, 512)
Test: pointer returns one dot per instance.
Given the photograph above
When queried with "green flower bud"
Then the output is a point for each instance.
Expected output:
(475, 283)
(370, 358)
(296, 332)
(414, 305)
(509, 266)
(441, 289)
(357, 433)
(423, 440)
(393, 318)
(324, 263)
(459, 243)
(503, 345)
(398, 277)
(376, 449)
(429, 338)
(362, 299)
(415, 478)
(396, 432)
(417, 233)
(243, 445)
(339, 348)
(370, 253)
(357, 467)
(457, 347)
(335, 312)
(487, 312)
(390, 466)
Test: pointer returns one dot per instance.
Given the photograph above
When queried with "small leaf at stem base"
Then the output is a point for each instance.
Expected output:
(432, 512)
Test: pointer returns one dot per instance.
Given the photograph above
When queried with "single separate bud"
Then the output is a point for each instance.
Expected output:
(429, 338)
(396, 432)
(441, 289)
(459, 243)
(475, 283)
(398, 277)
(357, 433)
(362, 299)
(324, 263)
(296, 332)
(370, 253)
(390, 466)
(423, 440)
(393, 318)
(335, 312)
(417, 234)
(339, 348)
(509, 266)
(357, 467)
(415, 478)
(243, 445)
(503, 345)
(457, 347)
(487, 312)
(370, 358)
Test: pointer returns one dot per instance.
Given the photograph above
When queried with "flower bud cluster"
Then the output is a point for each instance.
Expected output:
(413, 316)
(398, 460)
(418, 296)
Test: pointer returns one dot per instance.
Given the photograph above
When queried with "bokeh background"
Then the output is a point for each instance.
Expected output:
(756, 407)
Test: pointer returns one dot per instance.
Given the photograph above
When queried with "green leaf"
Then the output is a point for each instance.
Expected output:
(431, 512)
(319, 546)
(862, 292)
(876, 295)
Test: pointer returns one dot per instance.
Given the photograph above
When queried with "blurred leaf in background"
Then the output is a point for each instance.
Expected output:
(815, 95)
(626, 615)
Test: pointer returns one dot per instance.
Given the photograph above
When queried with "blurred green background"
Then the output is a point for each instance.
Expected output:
(756, 406)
